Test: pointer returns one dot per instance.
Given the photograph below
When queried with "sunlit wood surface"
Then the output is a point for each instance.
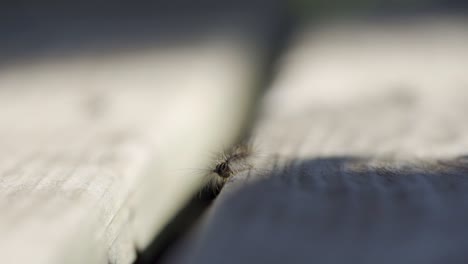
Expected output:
(99, 151)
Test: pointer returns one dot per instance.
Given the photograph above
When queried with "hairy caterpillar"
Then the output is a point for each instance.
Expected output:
(228, 164)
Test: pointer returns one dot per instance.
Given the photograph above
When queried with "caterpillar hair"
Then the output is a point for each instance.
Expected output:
(228, 164)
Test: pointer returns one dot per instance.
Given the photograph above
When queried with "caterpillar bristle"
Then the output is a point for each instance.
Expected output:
(227, 164)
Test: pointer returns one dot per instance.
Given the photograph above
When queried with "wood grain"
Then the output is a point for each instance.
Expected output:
(96, 150)
(363, 140)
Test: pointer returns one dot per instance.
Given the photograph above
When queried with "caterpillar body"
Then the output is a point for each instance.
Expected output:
(228, 164)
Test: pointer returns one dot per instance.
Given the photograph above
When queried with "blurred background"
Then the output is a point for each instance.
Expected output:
(32, 31)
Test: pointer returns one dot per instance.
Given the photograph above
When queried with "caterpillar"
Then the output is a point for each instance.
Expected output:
(228, 164)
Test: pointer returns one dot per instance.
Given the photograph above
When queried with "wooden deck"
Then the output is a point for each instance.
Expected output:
(361, 140)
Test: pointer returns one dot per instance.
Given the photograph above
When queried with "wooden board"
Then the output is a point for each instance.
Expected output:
(362, 143)
(96, 151)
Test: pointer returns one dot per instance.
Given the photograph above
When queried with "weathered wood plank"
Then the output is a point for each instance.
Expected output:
(92, 147)
(362, 142)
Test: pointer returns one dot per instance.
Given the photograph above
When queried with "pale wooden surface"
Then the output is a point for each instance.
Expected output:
(96, 151)
(363, 141)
